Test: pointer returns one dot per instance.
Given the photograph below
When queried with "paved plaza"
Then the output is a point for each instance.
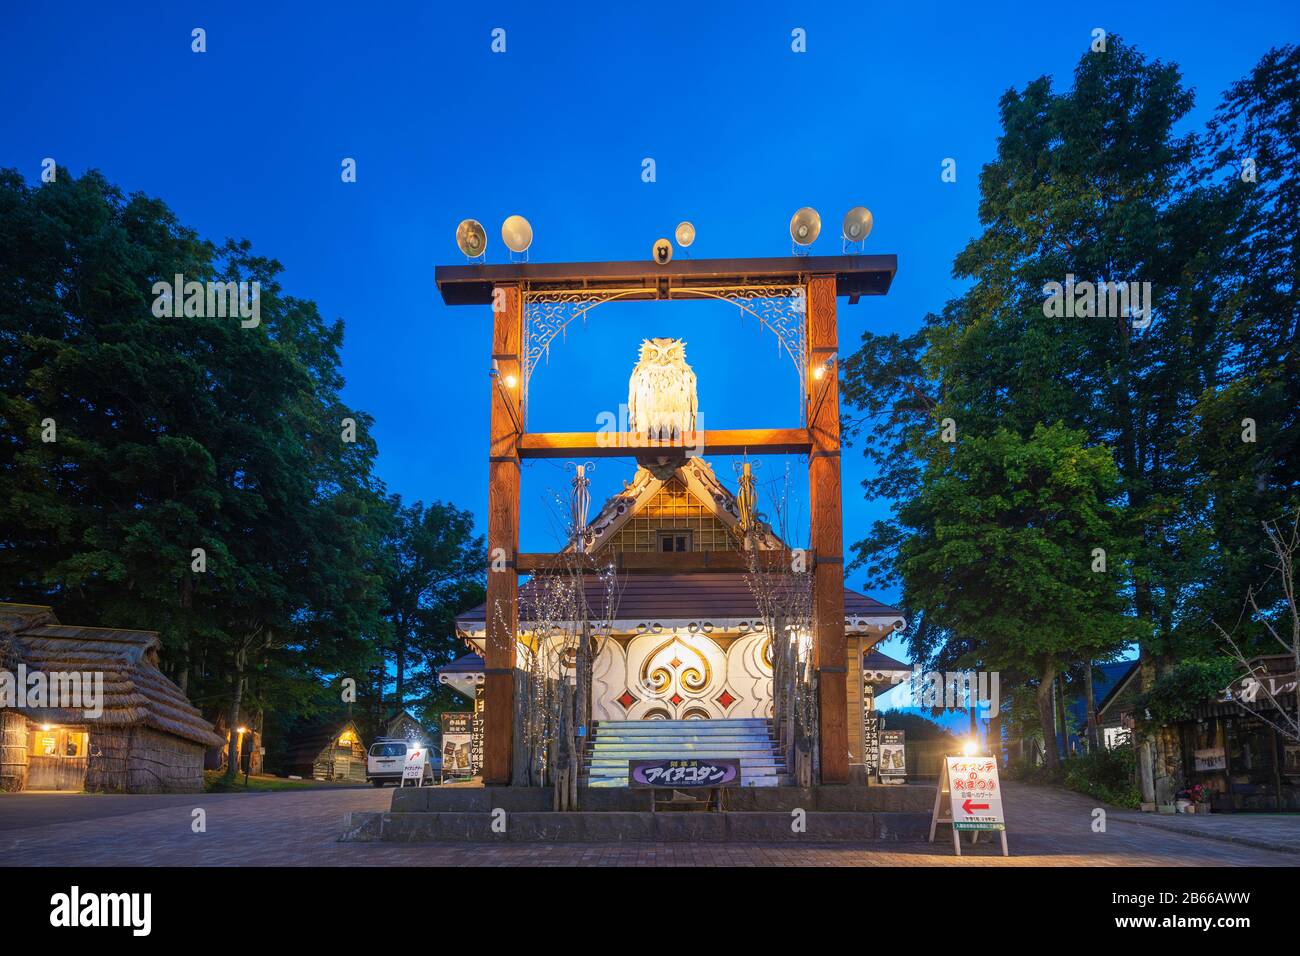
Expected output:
(1047, 827)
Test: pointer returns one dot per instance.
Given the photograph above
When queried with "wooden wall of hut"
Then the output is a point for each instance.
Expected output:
(13, 751)
(340, 763)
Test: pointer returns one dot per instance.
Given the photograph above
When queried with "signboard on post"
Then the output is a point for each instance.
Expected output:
(1211, 758)
(893, 756)
(969, 797)
(457, 744)
(701, 772)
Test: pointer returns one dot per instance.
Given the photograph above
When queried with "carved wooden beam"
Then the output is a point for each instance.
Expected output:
(754, 441)
(657, 562)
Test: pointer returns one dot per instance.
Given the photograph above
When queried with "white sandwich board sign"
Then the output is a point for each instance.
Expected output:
(969, 797)
(413, 769)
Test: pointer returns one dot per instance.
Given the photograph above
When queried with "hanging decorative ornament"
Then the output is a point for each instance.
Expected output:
(579, 504)
(747, 499)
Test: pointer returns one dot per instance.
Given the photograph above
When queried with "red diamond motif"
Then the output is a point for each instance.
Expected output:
(726, 700)
(676, 698)
(675, 663)
(627, 700)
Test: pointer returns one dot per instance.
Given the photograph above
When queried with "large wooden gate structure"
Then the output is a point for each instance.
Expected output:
(795, 297)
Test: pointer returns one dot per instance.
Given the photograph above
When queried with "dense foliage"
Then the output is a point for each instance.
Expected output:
(201, 475)
(1176, 428)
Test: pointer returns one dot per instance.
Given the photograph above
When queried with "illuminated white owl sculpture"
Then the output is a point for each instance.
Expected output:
(661, 393)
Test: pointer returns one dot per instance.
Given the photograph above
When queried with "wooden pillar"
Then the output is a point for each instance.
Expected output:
(503, 535)
(827, 537)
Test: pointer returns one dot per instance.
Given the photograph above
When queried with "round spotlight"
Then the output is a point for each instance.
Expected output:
(471, 238)
(685, 234)
(805, 226)
(517, 234)
(857, 224)
(662, 252)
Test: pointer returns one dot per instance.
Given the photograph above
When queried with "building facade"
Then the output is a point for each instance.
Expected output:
(689, 646)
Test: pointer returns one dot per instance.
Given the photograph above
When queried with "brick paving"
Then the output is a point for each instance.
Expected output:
(1047, 827)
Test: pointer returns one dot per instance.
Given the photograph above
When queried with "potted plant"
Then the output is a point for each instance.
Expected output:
(1199, 794)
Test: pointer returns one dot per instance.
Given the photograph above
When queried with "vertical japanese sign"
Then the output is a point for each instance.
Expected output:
(476, 741)
(976, 793)
(870, 728)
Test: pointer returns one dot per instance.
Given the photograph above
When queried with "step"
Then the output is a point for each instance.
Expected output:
(670, 739)
(612, 782)
(690, 749)
(620, 766)
(679, 734)
(739, 722)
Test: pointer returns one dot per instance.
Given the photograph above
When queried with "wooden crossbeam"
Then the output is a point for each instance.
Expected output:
(755, 441)
(652, 562)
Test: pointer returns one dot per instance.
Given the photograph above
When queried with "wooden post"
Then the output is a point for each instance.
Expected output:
(829, 645)
(503, 535)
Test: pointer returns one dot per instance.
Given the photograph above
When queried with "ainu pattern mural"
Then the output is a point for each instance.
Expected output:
(677, 676)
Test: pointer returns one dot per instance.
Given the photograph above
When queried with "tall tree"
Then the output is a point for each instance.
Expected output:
(1000, 549)
(434, 570)
(1246, 443)
(1090, 184)
(197, 474)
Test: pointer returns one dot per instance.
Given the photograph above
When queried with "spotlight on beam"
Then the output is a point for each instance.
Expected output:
(517, 234)
(805, 226)
(471, 239)
(684, 235)
(857, 226)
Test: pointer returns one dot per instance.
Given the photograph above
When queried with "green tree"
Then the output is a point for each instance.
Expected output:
(1246, 443)
(199, 482)
(1092, 182)
(433, 571)
(1000, 549)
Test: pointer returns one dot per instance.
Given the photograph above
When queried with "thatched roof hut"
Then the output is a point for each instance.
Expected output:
(143, 734)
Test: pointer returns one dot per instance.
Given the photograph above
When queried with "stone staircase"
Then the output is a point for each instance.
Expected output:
(614, 742)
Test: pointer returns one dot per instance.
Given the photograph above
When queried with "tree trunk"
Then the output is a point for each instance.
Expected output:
(236, 699)
(995, 738)
(1090, 708)
(581, 710)
(183, 675)
(1044, 695)
(1062, 717)
(400, 695)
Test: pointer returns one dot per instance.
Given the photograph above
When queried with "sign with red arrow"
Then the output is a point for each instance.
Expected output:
(976, 793)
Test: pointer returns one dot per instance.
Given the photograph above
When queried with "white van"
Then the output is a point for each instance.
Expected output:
(387, 757)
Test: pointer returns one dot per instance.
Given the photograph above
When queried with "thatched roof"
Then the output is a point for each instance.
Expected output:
(136, 692)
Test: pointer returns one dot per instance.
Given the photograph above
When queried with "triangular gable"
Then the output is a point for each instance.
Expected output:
(645, 493)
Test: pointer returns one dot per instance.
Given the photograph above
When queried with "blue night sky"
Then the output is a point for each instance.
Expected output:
(246, 140)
